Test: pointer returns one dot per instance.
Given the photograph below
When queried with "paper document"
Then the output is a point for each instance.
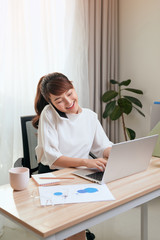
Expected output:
(77, 193)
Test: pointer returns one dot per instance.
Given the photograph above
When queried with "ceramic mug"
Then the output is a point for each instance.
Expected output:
(19, 177)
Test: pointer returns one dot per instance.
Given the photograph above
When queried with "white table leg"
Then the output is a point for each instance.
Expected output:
(144, 221)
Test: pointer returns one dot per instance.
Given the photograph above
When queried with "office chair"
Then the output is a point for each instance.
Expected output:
(29, 140)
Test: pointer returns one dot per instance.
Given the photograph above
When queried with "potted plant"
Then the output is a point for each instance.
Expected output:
(118, 104)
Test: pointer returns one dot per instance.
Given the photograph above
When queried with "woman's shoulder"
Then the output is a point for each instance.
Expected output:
(46, 109)
(89, 112)
(49, 113)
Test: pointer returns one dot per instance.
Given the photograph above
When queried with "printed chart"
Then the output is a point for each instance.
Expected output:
(74, 194)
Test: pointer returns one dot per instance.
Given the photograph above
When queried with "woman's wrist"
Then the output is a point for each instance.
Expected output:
(84, 162)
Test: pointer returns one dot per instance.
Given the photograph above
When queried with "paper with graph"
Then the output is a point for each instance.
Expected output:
(77, 193)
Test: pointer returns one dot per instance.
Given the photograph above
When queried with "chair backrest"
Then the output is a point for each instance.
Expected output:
(29, 137)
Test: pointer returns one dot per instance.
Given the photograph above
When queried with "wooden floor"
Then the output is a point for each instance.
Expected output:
(123, 227)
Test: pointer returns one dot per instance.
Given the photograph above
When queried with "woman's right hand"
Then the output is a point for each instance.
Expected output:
(99, 163)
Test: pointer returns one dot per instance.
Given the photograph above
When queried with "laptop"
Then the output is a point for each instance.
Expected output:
(126, 158)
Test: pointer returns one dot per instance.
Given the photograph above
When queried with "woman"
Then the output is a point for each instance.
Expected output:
(66, 132)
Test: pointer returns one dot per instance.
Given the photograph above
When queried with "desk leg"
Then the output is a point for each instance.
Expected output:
(144, 221)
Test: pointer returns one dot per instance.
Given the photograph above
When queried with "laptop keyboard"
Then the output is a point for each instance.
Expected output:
(97, 175)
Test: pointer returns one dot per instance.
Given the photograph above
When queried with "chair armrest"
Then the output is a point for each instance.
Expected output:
(19, 162)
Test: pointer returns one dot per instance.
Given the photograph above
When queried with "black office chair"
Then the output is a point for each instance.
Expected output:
(29, 139)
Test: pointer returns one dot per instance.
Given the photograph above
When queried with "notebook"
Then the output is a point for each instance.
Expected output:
(45, 182)
(126, 158)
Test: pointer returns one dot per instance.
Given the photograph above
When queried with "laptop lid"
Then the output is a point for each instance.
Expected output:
(126, 158)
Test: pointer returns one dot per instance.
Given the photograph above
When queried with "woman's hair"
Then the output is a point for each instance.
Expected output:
(53, 83)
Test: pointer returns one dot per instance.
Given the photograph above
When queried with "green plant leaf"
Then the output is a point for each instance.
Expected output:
(107, 96)
(131, 133)
(140, 112)
(113, 81)
(117, 112)
(125, 83)
(125, 105)
(134, 100)
(134, 90)
(109, 108)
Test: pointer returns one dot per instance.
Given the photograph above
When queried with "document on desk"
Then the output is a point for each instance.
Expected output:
(78, 193)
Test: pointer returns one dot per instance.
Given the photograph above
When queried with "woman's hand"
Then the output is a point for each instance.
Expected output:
(99, 163)
(107, 152)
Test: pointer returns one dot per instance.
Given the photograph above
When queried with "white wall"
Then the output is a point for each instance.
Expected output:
(139, 32)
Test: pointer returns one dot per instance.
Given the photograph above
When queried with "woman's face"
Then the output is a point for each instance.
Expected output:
(66, 102)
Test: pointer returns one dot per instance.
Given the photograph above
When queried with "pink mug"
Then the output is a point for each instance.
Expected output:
(19, 177)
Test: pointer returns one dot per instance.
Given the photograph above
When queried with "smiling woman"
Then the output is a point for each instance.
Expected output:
(67, 133)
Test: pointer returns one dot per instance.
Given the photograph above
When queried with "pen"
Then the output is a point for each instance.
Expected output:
(49, 184)
(56, 177)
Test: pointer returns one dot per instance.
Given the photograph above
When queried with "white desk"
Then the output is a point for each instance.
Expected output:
(59, 222)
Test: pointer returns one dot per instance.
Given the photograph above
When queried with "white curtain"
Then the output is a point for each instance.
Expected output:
(103, 57)
(37, 37)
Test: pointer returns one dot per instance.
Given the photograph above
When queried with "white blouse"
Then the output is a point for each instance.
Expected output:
(74, 136)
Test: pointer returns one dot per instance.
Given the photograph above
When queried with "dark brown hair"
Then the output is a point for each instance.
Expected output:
(53, 83)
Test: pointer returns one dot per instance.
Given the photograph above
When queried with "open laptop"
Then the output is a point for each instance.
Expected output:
(126, 158)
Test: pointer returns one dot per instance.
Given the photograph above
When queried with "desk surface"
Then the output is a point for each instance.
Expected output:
(45, 221)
